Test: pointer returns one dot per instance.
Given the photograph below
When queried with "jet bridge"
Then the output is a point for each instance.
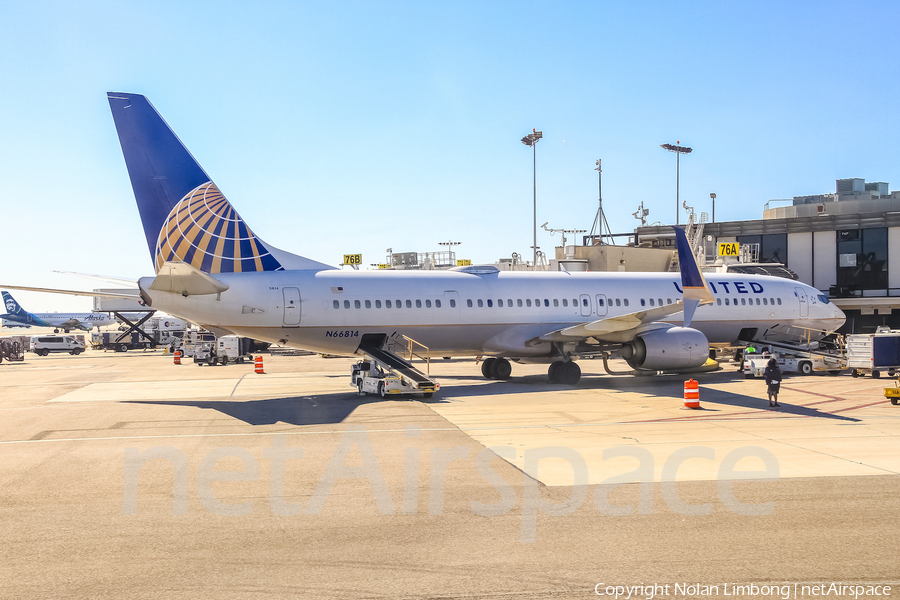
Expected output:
(379, 348)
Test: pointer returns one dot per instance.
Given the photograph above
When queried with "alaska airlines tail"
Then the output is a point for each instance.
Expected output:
(693, 284)
(186, 218)
(12, 307)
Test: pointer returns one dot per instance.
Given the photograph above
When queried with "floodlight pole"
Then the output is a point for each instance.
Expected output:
(678, 150)
(713, 196)
(531, 140)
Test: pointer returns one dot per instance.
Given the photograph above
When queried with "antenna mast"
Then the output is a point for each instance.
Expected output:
(600, 219)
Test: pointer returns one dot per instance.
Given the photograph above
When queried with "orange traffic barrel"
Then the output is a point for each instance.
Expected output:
(178, 357)
(259, 366)
(691, 394)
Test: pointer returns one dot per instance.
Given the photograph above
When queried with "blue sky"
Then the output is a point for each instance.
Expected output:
(349, 127)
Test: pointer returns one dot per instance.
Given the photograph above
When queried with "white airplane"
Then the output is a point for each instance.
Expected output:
(211, 269)
(18, 317)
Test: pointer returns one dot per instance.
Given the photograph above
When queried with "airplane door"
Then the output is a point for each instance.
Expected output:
(804, 305)
(291, 306)
(585, 302)
(601, 305)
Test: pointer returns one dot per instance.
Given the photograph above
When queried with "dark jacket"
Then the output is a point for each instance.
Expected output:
(772, 373)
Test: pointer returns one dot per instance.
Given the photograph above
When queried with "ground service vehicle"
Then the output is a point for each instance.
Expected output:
(42, 345)
(806, 364)
(874, 353)
(371, 379)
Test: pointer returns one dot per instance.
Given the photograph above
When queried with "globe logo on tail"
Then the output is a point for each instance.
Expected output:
(205, 231)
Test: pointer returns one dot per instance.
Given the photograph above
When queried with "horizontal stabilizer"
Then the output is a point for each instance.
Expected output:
(182, 278)
(135, 296)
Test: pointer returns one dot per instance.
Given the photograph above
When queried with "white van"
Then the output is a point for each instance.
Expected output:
(42, 345)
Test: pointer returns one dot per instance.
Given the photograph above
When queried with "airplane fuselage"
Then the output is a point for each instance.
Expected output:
(500, 314)
(84, 321)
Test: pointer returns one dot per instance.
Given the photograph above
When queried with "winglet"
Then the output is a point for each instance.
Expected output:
(693, 284)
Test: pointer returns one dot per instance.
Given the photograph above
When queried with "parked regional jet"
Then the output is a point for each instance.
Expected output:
(213, 270)
(18, 317)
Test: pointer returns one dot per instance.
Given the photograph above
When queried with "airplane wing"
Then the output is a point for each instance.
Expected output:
(620, 329)
(73, 323)
(624, 328)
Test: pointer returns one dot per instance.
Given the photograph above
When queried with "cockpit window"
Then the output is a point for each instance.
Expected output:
(822, 298)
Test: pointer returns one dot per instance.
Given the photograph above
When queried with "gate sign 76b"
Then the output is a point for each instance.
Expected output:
(353, 259)
(729, 249)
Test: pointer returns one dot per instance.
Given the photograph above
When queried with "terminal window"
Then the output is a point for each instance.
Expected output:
(862, 259)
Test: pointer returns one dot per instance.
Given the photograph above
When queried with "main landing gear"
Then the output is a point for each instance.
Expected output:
(565, 372)
(568, 373)
(496, 368)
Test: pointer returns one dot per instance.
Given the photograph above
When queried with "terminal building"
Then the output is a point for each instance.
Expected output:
(846, 244)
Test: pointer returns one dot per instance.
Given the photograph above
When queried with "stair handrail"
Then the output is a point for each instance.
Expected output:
(411, 344)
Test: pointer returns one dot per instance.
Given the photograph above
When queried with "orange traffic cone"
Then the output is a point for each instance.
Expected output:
(178, 357)
(259, 366)
(691, 394)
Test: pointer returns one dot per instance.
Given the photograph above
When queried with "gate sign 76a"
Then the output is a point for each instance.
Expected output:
(729, 249)
(353, 259)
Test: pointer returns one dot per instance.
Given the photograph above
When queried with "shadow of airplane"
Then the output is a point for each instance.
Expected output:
(336, 407)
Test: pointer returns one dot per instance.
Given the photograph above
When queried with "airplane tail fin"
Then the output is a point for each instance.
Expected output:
(185, 216)
(693, 283)
(13, 307)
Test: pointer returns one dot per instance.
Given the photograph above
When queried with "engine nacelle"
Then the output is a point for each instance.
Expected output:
(667, 349)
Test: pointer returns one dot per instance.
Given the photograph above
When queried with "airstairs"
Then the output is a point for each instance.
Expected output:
(384, 351)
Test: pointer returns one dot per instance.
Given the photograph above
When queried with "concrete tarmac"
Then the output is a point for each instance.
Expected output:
(124, 475)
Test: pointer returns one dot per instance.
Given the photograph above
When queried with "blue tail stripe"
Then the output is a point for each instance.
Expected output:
(161, 169)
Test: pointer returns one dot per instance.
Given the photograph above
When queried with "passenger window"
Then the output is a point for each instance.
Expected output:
(537, 301)
(509, 302)
(618, 302)
(565, 302)
(660, 302)
(346, 304)
(779, 301)
(765, 301)
(356, 304)
(452, 303)
(519, 302)
(556, 302)
(437, 303)
(546, 303)
(584, 302)
(719, 301)
(643, 302)
(368, 304)
(480, 303)
(408, 304)
(528, 302)
(378, 304)
(490, 303)
(336, 304)
(757, 301)
(668, 301)
(500, 302)
(428, 304)
(469, 303)
(652, 303)
(744, 301)
(727, 303)
(399, 304)
(599, 301)
(625, 301)
(387, 304)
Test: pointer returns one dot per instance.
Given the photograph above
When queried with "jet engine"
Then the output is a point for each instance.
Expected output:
(667, 349)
